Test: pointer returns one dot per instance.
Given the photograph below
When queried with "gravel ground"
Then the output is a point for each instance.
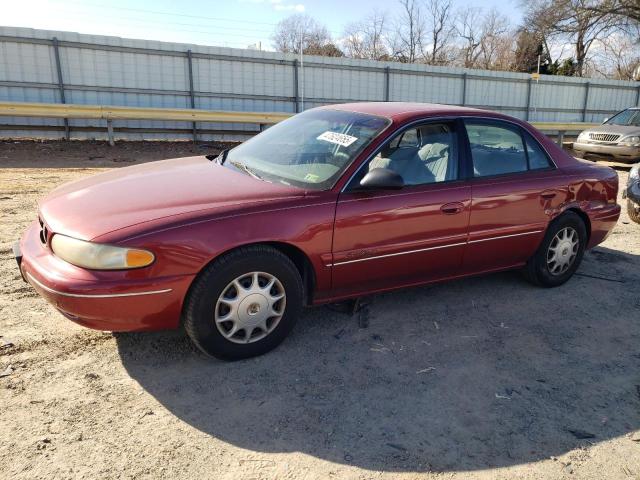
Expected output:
(485, 377)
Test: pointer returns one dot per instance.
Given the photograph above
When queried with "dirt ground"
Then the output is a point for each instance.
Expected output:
(483, 378)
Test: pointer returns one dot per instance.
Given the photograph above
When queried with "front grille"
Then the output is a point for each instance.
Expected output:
(44, 232)
(604, 137)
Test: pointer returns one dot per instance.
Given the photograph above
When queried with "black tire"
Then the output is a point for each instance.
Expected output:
(201, 301)
(578, 154)
(537, 269)
(633, 211)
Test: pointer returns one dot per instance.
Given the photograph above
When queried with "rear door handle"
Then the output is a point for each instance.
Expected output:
(452, 208)
(548, 194)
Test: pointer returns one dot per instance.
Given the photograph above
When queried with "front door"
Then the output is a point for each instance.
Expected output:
(515, 190)
(390, 238)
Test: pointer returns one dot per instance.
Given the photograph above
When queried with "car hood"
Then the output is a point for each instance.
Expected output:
(129, 196)
(619, 129)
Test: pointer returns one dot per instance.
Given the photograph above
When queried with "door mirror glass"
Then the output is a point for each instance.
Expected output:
(382, 179)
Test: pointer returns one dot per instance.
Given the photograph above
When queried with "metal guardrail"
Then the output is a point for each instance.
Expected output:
(110, 113)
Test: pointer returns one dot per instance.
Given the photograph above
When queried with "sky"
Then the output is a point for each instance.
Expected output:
(231, 23)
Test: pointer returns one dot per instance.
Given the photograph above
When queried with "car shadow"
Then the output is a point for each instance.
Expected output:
(477, 373)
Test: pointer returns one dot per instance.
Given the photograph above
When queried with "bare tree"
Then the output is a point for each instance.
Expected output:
(440, 30)
(617, 57)
(543, 28)
(573, 21)
(301, 31)
(409, 33)
(469, 31)
(628, 10)
(529, 48)
(367, 38)
(496, 42)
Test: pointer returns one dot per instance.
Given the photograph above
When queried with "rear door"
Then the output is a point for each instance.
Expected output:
(388, 238)
(515, 189)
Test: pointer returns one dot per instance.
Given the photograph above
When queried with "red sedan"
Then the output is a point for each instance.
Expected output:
(334, 203)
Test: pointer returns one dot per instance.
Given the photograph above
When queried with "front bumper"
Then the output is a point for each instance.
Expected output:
(115, 301)
(616, 151)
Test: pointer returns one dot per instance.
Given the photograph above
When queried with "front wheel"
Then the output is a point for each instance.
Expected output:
(244, 303)
(560, 252)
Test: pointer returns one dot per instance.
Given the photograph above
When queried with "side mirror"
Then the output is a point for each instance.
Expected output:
(605, 120)
(383, 179)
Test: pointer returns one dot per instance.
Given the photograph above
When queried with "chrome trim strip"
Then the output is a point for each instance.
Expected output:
(396, 254)
(505, 236)
(81, 295)
(432, 248)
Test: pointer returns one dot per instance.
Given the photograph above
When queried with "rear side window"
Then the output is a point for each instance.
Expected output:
(502, 149)
(495, 150)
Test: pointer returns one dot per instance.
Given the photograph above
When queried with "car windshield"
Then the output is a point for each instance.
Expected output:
(309, 150)
(625, 117)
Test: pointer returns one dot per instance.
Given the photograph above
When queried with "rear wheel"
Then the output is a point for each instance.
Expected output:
(633, 211)
(244, 304)
(560, 252)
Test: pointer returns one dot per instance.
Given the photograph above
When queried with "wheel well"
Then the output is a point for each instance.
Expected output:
(297, 256)
(585, 219)
(302, 263)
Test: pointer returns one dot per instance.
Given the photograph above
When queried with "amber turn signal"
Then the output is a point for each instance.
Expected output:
(139, 258)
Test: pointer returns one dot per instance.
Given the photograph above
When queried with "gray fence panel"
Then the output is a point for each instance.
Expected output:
(23, 62)
(143, 73)
(242, 78)
(117, 69)
(425, 88)
(350, 85)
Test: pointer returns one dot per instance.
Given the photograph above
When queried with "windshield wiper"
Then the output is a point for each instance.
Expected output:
(246, 169)
(220, 158)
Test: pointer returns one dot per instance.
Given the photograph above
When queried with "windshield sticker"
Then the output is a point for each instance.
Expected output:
(337, 138)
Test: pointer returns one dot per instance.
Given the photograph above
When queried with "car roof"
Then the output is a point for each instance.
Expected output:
(397, 110)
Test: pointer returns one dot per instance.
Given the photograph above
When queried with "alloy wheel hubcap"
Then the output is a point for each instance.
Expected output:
(562, 251)
(250, 307)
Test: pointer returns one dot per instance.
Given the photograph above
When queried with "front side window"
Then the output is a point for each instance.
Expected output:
(310, 150)
(421, 155)
(625, 117)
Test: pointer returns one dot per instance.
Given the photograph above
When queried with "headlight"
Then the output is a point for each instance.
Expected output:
(634, 174)
(630, 140)
(583, 136)
(98, 256)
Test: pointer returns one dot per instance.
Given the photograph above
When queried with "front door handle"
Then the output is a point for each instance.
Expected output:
(452, 208)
